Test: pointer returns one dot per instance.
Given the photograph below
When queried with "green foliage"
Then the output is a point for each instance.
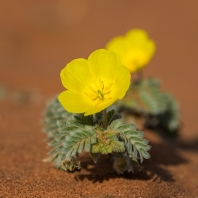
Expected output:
(144, 96)
(80, 139)
(171, 116)
(107, 142)
(63, 153)
(97, 119)
(161, 110)
(122, 163)
(53, 112)
(136, 146)
(86, 120)
(70, 135)
(70, 164)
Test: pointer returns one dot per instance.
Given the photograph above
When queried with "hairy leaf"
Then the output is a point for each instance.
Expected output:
(122, 163)
(70, 164)
(86, 120)
(54, 112)
(107, 142)
(136, 145)
(78, 139)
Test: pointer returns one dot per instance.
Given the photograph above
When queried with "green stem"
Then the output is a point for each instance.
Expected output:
(104, 118)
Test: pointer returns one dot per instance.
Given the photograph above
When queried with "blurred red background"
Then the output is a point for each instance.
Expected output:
(38, 38)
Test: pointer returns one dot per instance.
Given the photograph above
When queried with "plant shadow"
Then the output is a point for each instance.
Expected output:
(190, 145)
(155, 169)
(103, 170)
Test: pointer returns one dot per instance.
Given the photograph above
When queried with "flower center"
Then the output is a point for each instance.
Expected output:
(99, 92)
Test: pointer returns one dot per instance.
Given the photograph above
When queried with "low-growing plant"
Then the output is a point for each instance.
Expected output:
(71, 134)
(78, 121)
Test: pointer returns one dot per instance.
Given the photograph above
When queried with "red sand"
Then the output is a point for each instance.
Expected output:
(37, 39)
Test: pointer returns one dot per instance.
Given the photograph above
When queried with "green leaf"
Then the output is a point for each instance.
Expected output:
(135, 163)
(160, 109)
(70, 164)
(135, 144)
(54, 114)
(116, 124)
(69, 140)
(80, 139)
(85, 120)
(98, 117)
(145, 97)
(117, 146)
(110, 115)
(107, 142)
(103, 148)
(122, 164)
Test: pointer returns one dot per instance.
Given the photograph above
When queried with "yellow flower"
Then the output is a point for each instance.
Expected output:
(94, 84)
(135, 49)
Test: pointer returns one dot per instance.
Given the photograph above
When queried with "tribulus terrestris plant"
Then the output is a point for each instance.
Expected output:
(78, 121)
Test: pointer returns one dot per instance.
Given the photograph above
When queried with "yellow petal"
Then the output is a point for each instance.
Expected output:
(142, 48)
(102, 64)
(136, 36)
(136, 59)
(76, 76)
(118, 45)
(135, 49)
(121, 83)
(101, 106)
(95, 84)
(150, 48)
(74, 102)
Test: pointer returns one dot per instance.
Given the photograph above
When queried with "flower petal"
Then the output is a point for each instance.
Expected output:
(102, 64)
(137, 36)
(135, 49)
(150, 48)
(142, 47)
(118, 45)
(121, 83)
(76, 76)
(74, 102)
(118, 90)
(102, 105)
(95, 84)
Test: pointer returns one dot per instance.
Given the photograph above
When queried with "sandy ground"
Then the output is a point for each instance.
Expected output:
(38, 38)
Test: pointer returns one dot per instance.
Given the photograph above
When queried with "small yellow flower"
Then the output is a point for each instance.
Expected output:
(94, 84)
(135, 49)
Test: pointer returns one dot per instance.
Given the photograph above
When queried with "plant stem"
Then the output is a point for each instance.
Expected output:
(104, 118)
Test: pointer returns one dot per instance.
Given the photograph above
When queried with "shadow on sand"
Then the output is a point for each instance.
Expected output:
(162, 154)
